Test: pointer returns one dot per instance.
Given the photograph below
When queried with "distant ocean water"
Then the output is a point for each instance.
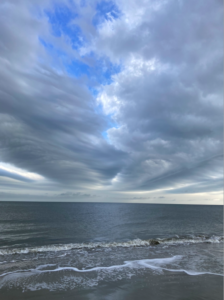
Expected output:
(110, 251)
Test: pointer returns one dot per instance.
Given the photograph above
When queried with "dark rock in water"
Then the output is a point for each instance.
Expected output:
(154, 242)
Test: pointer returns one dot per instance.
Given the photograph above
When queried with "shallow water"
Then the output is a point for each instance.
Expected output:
(110, 251)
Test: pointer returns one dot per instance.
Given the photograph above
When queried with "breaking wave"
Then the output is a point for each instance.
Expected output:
(133, 243)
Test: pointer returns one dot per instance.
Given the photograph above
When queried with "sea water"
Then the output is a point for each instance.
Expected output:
(110, 251)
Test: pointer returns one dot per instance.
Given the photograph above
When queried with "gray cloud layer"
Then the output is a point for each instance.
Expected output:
(48, 121)
(166, 101)
(169, 96)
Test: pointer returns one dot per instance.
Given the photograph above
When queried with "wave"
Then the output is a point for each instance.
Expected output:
(132, 243)
(153, 264)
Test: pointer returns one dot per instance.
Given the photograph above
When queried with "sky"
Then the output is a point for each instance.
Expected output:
(111, 101)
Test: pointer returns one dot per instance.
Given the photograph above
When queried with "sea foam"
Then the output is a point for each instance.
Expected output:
(153, 264)
(132, 243)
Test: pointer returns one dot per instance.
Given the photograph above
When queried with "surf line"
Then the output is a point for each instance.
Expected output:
(154, 264)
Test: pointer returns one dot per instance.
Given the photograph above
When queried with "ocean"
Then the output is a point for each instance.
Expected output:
(110, 251)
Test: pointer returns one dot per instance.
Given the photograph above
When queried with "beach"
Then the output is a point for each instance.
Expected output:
(110, 251)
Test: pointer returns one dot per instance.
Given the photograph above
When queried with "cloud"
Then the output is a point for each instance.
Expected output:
(140, 198)
(5, 173)
(69, 114)
(167, 101)
(49, 122)
(76, 195)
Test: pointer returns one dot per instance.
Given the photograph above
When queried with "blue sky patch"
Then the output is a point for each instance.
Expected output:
(61, 18)
(105, 10)
(97, 70)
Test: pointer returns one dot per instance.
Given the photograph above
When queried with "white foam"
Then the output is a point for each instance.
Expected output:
(133, 243)
(44, 266)
(153, 264)
(192, 273)
(145, 263)
(65, 247)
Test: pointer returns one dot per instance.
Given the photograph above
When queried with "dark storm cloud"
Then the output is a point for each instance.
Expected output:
(166, 102)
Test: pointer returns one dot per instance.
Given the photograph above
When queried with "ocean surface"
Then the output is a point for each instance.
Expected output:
(110, 251)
